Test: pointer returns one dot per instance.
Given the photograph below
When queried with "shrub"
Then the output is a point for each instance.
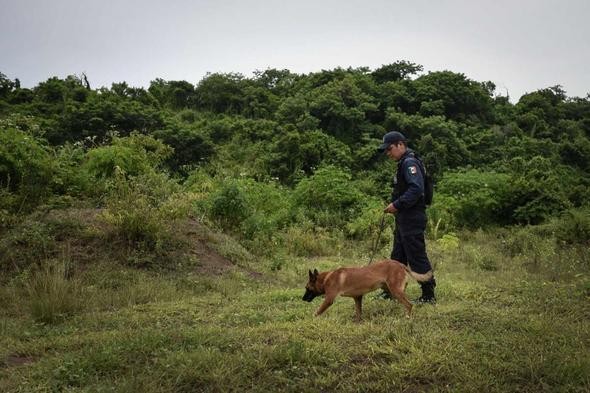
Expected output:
(143, 210)
(573, 227)
(228, 206)
(26, 170)
(69, 178)
(366, 224)
(537, 189)
(297, 153)
(307, 242)
(448, 242)
(134, 155)
(191, 146)
(25, 244)
(478, 197)
(256, 210)
(329, 197)
(441, 215)
(483, 259)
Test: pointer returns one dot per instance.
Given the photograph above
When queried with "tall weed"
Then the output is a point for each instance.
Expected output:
(51, 294)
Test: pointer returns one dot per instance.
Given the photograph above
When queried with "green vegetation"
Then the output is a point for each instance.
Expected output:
(512, 316)
(159, 239)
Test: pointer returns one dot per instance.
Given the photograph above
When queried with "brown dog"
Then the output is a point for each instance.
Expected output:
(354, 282)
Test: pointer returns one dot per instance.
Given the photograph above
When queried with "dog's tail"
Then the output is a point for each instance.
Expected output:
(419, 277)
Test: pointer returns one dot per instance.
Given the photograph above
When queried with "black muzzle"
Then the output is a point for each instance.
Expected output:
(309, 295)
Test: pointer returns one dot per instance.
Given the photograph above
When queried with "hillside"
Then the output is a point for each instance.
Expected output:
(159, 239)
(511, 316)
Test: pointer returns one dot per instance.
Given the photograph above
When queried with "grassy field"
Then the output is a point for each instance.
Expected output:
(506, 321)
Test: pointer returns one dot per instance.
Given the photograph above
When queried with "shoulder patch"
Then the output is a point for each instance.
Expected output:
(412, 170)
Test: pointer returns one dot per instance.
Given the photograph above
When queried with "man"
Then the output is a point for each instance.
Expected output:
(408, 204)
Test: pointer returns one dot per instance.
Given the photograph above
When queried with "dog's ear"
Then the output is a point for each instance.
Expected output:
(313, 275)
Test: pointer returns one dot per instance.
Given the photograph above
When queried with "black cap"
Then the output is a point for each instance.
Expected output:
(390, 138)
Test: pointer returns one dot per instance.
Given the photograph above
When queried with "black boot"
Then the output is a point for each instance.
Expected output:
(427, 293)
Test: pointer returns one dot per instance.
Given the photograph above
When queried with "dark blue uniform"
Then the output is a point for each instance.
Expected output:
(410, 223)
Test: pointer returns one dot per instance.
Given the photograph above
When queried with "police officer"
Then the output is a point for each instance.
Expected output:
(409, 207)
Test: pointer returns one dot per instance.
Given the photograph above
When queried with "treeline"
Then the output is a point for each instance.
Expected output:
(307, 139)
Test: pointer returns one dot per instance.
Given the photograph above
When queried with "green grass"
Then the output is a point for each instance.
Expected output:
(517, 327)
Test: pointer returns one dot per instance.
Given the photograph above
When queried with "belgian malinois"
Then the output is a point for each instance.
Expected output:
(354, 282)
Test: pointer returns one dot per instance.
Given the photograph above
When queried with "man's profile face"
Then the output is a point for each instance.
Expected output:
(395, 151)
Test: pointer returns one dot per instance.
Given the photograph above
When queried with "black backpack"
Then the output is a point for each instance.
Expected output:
(428, 181)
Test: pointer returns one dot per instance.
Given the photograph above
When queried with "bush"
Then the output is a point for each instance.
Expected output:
(573, 227)
(256, 210)
(448, 242)
(476, 198)
(329, 197)
(69, 178)
(366, 224)
(26, 170)
(228, 206)
(134, 155)
(441, 215)
(537, 189)
(25, 244)
(191, 147)
(307, 242)
(143, 210)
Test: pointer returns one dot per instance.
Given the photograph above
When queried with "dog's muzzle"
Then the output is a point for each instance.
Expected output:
(308, 296)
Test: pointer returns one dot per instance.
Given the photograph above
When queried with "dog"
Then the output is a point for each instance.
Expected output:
(354, 282)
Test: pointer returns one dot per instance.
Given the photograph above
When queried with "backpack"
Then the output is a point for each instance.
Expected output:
(428, 181)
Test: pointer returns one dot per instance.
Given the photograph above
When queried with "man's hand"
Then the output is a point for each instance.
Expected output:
(390, 209)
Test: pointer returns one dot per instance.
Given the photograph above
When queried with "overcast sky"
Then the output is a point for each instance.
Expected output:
(520, 45)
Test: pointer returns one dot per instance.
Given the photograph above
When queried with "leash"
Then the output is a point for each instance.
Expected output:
(376, 243)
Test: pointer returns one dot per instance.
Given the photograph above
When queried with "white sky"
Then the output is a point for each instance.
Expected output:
(520, 45)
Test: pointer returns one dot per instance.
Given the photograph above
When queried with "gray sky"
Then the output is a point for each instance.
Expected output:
(521, 46)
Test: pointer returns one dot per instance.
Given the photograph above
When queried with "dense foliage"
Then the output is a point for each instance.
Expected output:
(308, 140)
(158, 239)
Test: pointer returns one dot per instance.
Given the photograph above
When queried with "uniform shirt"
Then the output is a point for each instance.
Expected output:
(408, 195)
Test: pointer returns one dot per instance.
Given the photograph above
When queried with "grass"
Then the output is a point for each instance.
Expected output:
(52, 295)
(520, 326)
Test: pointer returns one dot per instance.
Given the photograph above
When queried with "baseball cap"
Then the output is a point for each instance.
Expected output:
(391, 138)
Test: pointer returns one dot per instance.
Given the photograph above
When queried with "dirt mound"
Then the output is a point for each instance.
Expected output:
(202, 243)
(82, 235)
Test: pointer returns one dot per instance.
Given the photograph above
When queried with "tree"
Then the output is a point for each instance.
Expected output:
(221, 93)
(342, 107)
(296, 154)
(396, 71)
(539, 112)
(191, 147)
(458, 97)
(278, 82)
(173, 94)
(6, 86)
(435, 137)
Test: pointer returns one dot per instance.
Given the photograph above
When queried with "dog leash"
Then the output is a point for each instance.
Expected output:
(376, 243)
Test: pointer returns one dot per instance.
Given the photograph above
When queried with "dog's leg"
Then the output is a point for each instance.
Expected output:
(398, 292)
(328, 300)
(403, 299)
(358, 305)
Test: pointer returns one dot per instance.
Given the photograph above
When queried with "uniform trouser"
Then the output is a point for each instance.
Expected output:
(411, 249)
